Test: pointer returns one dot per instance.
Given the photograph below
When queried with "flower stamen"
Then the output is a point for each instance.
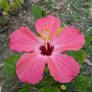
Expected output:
(46, 49)
(45, 33)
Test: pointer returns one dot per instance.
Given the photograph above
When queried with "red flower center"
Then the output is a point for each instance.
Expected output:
(46, 49)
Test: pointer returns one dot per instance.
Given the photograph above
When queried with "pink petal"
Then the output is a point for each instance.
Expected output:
(63, 68)
(30, 68)
(51, 22)
(69, 39)
(23, 40)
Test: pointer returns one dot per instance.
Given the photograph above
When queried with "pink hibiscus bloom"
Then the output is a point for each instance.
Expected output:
(46, 49)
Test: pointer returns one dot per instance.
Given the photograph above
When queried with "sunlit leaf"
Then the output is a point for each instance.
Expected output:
(4, 4)
(18, 3)
(22, 1)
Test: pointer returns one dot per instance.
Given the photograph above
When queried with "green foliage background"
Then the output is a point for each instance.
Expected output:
(76, 13)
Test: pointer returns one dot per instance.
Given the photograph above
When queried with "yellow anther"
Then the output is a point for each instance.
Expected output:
(59, 30)
(63, 87)
(46, 29)
(45, 24)
(45, 32)
(45, 35)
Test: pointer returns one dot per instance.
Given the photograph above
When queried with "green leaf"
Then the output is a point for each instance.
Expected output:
(88, 44)
(4, 4)
(82, 82)
(25, 90)
(79, 55)
(88, 48)
(38, 34)
(10, 64)
(89, 90)
(22, 1)
(46, 89)
(88, 38)
(37, 12)
(18, 3)
(43, 13)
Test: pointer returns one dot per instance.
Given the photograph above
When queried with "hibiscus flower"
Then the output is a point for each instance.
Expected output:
(46, 49)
